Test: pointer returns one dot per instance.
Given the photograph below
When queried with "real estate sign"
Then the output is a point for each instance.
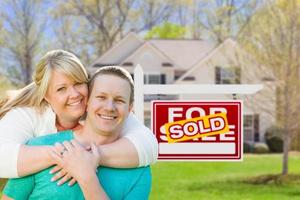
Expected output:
(198, 130)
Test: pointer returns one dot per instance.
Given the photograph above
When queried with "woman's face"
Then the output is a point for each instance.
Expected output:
(67, 97)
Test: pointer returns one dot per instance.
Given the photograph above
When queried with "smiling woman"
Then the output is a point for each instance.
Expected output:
(67, 98)
(56, 100)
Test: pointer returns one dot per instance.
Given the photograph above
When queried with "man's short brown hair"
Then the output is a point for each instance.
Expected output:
(116, 71)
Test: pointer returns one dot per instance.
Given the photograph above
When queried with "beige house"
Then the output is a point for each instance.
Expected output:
(197, 62)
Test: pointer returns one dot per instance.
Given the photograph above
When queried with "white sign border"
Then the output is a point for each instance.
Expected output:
(203, 160)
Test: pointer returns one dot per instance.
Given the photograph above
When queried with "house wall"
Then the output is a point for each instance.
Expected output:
(262, 103)
(132, 49)
(151, 63)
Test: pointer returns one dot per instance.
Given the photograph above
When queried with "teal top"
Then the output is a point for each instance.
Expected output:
(126, 184)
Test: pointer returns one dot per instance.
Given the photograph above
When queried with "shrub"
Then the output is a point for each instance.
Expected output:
(275, 144)
(273, 139)
(248, 147)
(261, 148)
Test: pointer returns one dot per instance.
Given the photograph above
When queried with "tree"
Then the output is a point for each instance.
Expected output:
(167, 31)
(95, 25)
(273, 38)
(23, 30)
(221, 19)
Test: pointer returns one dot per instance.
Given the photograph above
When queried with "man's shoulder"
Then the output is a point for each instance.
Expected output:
(125, 172)
(119, 183)
(52, 138)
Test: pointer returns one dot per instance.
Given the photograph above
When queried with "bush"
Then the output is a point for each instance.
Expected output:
(248, 147)
(275, 144)
(274, 140)
(261, 148)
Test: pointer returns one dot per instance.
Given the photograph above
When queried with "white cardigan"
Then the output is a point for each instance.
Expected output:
(21, 124)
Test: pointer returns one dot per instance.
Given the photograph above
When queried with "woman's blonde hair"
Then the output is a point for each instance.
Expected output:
(33, 94)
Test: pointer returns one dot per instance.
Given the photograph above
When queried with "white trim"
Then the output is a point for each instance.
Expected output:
(140, 89)
(201, 89)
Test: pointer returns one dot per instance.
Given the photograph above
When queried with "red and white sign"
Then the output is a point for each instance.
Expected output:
(226, 146)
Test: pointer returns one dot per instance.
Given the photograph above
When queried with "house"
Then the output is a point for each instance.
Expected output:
(197, 62)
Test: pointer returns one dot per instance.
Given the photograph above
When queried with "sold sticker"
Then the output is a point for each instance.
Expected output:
(198, 127)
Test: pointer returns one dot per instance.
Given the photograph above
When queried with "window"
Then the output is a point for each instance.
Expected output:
(167, 64)
(251, 128)
(104, 64)
(228, 75)
(189, 78)
(155, 79)
(129, 64)
(147, 122)
(178, 74)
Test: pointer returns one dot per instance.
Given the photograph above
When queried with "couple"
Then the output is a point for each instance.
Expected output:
(53, 90)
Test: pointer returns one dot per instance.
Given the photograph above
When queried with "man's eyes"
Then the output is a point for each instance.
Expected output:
(100, 97)
(120, 101)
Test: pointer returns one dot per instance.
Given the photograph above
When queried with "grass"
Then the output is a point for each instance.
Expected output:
(225, 180)
(2, 182)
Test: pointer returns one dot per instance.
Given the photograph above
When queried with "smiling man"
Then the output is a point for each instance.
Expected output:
(110, 102)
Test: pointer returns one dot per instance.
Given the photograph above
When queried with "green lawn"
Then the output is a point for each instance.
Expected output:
(223, 180)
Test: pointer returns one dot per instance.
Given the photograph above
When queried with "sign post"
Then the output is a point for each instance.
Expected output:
(226, 146)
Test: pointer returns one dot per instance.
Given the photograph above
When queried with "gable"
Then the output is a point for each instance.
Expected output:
(185, 53)
(149, 58)
(120, 51)
(227, 54)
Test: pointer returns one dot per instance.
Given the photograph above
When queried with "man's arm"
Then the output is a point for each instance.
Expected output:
(19, 188)
(141, 189)
(91, 187)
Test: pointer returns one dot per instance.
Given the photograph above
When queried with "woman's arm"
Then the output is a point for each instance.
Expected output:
(137, 147)
(32, 159)
(17, 127)
(119, 154)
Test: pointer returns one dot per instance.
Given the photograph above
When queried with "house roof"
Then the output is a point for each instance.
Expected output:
(120, 44)
(208, 56)
(185, 53)
(151, 47)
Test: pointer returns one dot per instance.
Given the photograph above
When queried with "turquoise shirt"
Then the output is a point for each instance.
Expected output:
(126, 184)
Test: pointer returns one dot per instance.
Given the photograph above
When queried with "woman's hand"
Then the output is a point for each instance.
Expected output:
(75, 160)
(62, 175)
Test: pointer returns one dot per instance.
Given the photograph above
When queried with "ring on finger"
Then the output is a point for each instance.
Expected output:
(63, 151)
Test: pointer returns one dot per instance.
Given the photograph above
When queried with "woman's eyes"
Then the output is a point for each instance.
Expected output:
(78, 84)
(61, 89)
(65, 88)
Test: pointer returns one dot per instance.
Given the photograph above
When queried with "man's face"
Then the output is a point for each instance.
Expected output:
(108, 104)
